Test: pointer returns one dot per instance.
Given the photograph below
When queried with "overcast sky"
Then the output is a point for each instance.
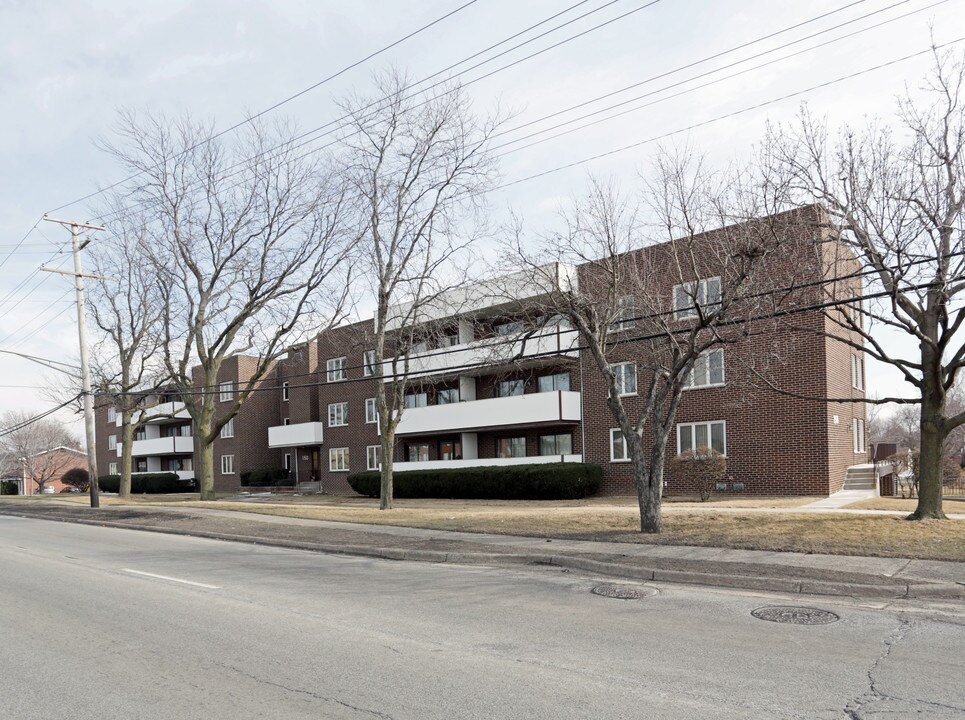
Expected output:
(67, 66)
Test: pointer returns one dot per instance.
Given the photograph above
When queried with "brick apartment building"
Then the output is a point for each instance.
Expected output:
(468, 404)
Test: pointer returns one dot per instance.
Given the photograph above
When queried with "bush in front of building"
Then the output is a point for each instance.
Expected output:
(550, 481)
(152, 483)
(8, 487)
(702, 468)
(265, 477)
(76, 478)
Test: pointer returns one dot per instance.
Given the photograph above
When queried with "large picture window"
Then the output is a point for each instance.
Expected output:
(694, 436)
(509, 388)
(511, 447)
(549, 383)
(556, 444)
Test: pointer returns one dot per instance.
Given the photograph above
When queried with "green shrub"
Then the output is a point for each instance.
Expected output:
(76, 477)
(549, 481)
(153, 483)
(266, 477)
(8, 487)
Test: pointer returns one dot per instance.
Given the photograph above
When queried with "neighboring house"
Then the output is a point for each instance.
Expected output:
(468, 405)
(49, 465)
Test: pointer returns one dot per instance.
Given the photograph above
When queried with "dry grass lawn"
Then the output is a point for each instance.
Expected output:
(951, 505)
(720, 524)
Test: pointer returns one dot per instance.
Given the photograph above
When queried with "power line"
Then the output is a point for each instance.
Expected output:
(725, 116)
(278, 104)
(36, 418)
(301, 141)
(649, 316)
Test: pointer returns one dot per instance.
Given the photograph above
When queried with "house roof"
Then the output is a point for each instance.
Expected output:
(61, 447)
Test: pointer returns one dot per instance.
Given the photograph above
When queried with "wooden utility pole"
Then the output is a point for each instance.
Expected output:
(77, 245)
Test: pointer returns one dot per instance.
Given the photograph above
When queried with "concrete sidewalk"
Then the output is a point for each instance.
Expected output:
(871, 577)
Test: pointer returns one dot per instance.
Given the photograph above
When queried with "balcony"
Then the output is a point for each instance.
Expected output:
(490, 353)
(546, 408)
(164, 412)
(485, 462)
(297, 435)
(160, 446)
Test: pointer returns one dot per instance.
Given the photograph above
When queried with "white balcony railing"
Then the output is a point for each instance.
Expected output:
(161, 413)
(490, 352)
(534, 409)
(297, 435)
(485, 462)
(160, 446)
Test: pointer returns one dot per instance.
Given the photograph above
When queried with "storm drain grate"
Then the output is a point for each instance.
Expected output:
(622, 592)
(795, 615)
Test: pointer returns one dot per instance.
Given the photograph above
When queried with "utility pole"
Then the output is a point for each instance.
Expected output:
(77, 246)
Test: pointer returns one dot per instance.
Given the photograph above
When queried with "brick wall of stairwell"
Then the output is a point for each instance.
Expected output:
(300, 370)
(249, 446)
(351, 342)
(102, 430)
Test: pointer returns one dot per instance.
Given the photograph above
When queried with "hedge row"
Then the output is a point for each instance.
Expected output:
(154, 483)
(550, 481)
(266, 477)
(8, 487)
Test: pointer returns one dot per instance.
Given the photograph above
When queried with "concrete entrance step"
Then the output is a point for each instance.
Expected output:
(843, 498)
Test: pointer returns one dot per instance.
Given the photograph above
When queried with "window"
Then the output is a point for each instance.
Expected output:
(559, 444)
(112, 469)
(226, 391)
(549, 383)
(228, 429)
(371, 411)
(447, 396)
(227, 464)
(708, 370)
(335, 369)
(112, 442)
(624, 314)
(140, 465)
(508, 328)
(112, 417)
(511, 447)
(858, 430)
(140, 434)
(373, 457)
(286, 421)
(288, 462)
(338, 459)
(284, 391)
(694, 436)
(857, 372)
(418, 348)
(450, 449)
(618, 447)
(625, 377)
(417, 452)
(338, 414)
(368, 363)
(686, 297)
(450, 339)
(414, 400)
(508, 388)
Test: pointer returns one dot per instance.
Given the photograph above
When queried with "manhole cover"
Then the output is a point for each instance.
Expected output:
(795, 615)
(622, 592)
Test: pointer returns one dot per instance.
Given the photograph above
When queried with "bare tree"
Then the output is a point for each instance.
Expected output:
(127, 310)
(248, 246)
(647, 317)
(26, 450)
(896, 199)
(418, 166)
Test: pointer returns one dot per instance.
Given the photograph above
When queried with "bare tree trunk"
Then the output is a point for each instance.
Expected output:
(386, 491)
(931, 460)
(205, 474)
(127, 438)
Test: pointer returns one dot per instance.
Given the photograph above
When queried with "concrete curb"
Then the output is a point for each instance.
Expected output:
(931, 591)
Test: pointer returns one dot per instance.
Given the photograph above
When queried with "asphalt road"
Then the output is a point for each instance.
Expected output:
(108, 623)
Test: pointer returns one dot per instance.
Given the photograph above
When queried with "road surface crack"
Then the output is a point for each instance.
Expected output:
(853, 709)
(301, 691)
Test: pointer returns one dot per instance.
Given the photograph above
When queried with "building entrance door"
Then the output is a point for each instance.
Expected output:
(316, 465)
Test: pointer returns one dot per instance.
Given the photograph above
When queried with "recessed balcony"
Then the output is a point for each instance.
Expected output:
(547, 408)
(485, 462)
(298, 435)
(161, 413)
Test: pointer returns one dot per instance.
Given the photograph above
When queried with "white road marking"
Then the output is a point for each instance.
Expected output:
(172, 579)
